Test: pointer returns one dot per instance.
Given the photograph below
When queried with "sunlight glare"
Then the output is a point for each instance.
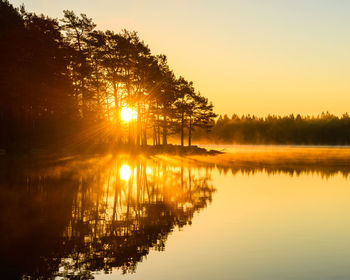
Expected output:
(125, 172)
(148, 170)
(128, 114)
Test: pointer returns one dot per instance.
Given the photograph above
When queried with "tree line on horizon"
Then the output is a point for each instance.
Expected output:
(324, 129)
(63, 81)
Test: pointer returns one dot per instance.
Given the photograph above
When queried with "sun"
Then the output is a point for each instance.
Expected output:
(128, 114)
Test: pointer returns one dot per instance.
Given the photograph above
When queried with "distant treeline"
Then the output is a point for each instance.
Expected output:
(64, 82)
(325, 129)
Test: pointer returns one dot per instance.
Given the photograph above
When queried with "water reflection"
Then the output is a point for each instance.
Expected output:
(68, 218)
(75, 217)
(125, 172)
(325, 162)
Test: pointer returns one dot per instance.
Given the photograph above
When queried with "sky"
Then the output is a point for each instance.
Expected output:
(247, 56)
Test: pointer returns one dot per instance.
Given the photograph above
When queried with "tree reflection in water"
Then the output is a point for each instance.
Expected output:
(77, 217)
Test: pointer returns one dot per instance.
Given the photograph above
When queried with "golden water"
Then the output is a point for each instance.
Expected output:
(237, 216)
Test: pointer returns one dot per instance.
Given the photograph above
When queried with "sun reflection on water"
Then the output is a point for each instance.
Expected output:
(121, 208)
(125, 172)
(108, 213)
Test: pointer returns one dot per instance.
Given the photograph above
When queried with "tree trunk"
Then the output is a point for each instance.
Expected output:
(107, 103)
(165, 131)
(82, 83)
(117, 110)
(144, 142)
(190, 133)
(158, 128)
(154, 135)
(138, 128)
(182, 129)
(115, 93)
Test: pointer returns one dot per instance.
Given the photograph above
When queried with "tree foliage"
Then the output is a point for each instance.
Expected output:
(325, 129)
(64, 81)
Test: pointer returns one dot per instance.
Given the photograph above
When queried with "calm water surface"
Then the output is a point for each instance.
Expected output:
(122, 217)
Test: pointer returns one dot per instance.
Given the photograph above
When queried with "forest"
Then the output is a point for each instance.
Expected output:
(324, 129)
(63, 83)
(66, 85)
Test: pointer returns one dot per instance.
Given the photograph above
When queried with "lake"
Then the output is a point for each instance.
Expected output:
(256, 212)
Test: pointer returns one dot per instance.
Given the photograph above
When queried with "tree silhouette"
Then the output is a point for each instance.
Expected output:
(325, 129)
(77, 31)
(70, 81)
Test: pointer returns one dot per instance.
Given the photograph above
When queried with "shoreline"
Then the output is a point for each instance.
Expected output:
(149, 150)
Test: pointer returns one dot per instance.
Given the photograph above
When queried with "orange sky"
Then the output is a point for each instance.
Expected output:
(247, 56)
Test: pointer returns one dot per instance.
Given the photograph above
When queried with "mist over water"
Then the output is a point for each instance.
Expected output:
(264, 213)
